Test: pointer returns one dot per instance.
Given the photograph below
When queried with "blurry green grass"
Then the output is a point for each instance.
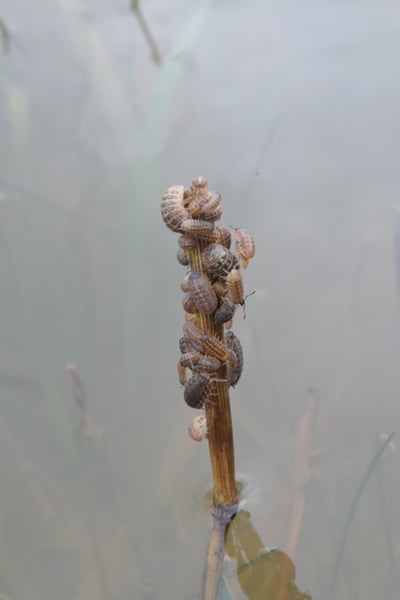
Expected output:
(4, 36)
(153, 132)
(351, 511)
(39, 355)
(149, 149)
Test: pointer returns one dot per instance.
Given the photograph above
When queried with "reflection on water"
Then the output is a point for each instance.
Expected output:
(297, 126)
(262, 573)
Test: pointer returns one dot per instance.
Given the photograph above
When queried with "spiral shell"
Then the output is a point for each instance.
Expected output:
(197, 428)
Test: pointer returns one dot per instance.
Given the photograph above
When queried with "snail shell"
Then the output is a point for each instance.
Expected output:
(197, 428)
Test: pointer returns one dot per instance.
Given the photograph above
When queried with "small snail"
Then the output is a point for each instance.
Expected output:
(197, 428)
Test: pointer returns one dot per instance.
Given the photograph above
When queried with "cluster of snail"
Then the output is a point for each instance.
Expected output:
(215, 288)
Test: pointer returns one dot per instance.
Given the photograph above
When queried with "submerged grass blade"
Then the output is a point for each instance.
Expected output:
(154, 128)
(5, 36)
(393, 572)
(157, 120)
(155, 52)
(352, 510)
(39, 355)
(216, 551)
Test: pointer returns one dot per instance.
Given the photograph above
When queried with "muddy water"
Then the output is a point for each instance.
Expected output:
(291, 111)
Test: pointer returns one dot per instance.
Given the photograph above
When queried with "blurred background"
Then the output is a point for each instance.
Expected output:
(291, 111)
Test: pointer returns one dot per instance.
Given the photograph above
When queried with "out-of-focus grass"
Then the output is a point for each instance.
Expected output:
(102, 78)
(362, 484)
(15, 576)
(145, 151)
(18, 115)
(71, 458)
(38, 353)
(5, 36)
(147, 169)
(393, 571)
(155, 52)
(157, 119)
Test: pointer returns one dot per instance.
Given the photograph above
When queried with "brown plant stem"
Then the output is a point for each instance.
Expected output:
(218, 414)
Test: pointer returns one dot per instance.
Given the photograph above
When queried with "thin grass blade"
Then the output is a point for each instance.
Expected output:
(352, 510)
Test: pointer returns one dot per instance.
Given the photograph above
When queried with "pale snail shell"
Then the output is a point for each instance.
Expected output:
(197, 428)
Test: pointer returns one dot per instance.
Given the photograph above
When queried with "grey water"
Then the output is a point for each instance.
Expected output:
(291, 111)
